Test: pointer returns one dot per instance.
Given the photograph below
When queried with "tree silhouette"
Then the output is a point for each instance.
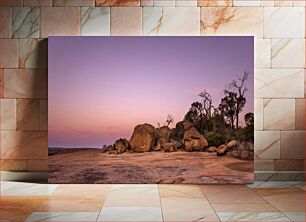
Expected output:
(207, 105)
(228, 107)
(249, 119)
(169, 120)
(195, 111)
(237, 89)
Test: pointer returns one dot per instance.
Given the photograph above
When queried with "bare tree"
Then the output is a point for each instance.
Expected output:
(239, 88)
(169, 120)
(207, 105)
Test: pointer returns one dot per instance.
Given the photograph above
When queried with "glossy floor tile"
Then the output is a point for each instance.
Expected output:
(284, 199)
(296, 216)
(18, 208)
(63, 216)
(271, 201)
(26, 189)
(187, 209)
(171, 190)
(143, 195)
(262, 207)
(230, 194)
(71, 204)
(277, 184)
(82, 190)
(251, 216)
(130, 214)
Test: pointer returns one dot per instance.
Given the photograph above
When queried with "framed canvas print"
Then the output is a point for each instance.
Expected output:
(151, 110)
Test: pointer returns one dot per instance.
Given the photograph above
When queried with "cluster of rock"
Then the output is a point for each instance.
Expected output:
(244, 150)
(146, 138)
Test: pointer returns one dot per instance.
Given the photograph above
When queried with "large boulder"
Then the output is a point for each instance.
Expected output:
(163, 134)
(121, 145)
(177, 133)
(143, 138)
(222, 150)
(194, 141)
(233, 144)
(211, 149)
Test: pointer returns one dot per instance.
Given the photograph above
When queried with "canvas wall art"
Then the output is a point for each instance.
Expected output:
(151, 110)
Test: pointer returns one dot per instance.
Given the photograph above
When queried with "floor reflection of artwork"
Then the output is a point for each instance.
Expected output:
(151, 110)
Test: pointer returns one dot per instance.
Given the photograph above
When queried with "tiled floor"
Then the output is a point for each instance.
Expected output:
(261, 201)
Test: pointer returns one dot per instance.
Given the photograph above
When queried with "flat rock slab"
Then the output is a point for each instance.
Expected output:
(93, 166)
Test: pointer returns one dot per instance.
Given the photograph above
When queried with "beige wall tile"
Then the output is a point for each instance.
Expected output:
(28, 114)
(186, 3)
(300, 114)
(43, 114)
(33, 53)
(37, 2)
(278, 22)
(262, 53)
(288, 53)
(4, 3)
(25, 22)
(146, 2)
(264, 165)
(292, 145)
(267, 3)
(25, 83)
(24, 144)
(1, 83)
(212, 3)
(13, 165)
(126, 21)
(299, 3)
(51, 17)
(8, 53)
(279, 114)
(280, 3)
(8, 114)
(246, 3)
(37, 165)
(267, 145)
(117, 3)
(171, 21)
(258, 110)
(5, 22)
(232, 21)
(95, 21)
(163, 3)
(73, 2)
(305, 83)
(275, 83)
(289, 165)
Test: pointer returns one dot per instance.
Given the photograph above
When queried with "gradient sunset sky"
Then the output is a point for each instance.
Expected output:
(100, 88)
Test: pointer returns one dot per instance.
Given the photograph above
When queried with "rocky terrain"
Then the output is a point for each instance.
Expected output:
(155, 155)
(93, 166)
(184, 136)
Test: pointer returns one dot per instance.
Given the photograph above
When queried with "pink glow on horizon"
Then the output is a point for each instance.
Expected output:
(101, 88)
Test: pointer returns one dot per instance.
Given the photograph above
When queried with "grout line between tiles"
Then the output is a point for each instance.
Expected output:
(161, 208)
(209, 203)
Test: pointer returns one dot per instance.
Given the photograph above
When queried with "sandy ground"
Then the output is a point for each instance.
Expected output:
(92, 166)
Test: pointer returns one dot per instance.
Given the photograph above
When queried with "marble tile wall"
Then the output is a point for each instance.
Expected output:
(277, 25)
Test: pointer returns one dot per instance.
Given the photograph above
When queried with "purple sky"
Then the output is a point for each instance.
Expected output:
(101, 87)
